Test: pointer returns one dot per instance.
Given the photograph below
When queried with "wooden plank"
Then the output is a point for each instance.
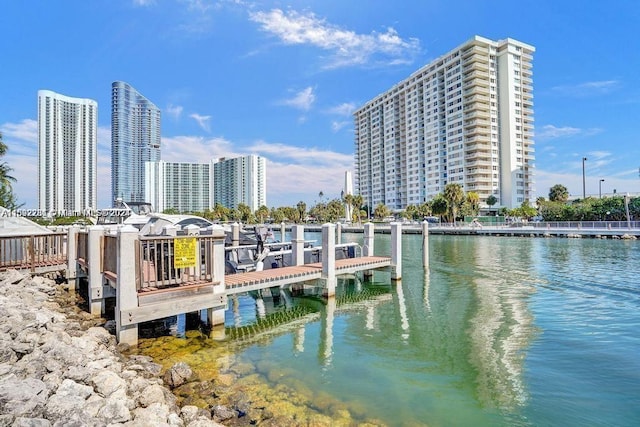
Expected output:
(173, 307)
(159, 295)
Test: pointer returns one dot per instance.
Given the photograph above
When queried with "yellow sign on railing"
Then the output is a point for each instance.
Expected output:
(184, 254)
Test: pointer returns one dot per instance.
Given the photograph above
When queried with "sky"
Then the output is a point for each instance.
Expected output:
(281, 79)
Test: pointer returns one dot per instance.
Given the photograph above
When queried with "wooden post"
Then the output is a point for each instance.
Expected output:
(283, 232)
(297, 256)
(338, 233)
(126, 287)
(367, 247)
(235, 234)
(94, 266)
(216, 317)
(369, 232)
(396, 251)
(329, 258)
(425, 244)
(72, 255)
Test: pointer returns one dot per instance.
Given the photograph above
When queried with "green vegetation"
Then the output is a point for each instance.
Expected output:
(7, 197)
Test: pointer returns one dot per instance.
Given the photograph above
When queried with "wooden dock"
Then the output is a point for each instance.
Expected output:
(278, 277)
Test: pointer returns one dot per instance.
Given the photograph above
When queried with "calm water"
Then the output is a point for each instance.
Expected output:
(501, 332)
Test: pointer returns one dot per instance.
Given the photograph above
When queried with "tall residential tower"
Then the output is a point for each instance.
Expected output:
(67, 157)
(240, 180)
(465, 118)
(135, 139)
(185, 187)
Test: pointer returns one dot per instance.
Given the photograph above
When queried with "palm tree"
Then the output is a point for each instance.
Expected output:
(381, 211)
(473, 201)
(439, 205)
(7, 198)
(357, 204)
(302, 210)
(348, 200)
(454, 195)
(558, 193)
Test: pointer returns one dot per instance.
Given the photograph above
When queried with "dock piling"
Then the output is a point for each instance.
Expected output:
(396, 251)
(425, 244)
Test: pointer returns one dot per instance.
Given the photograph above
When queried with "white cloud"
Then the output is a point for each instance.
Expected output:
(22, 141)
(144, 2)
(588, 88)
(346, 47)
(555, 132)
(344, 109)
(336, 126)
(546, 179)
(293, 173)
(196, 149)
(203, 121)
(301, 155)
(302, 100)
(174, 111)
(26, 130)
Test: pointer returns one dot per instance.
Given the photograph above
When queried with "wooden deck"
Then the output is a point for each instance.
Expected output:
(244, 282)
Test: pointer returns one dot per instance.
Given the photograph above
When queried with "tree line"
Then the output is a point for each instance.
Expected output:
(8, 198)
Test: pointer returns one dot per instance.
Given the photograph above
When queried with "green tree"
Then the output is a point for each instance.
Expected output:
(381, 211)
(425, 210)
(348, 200)
(439, 206)
(7, 197)
(471, 204)
(302, 211)
(455, 196)
(412, 212)
(358, 200)
(277, 215)
(558, 193)
(262, 213)
(245, 212)
(491, 200)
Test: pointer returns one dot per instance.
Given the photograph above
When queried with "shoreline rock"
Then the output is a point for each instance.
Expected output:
(61, 367)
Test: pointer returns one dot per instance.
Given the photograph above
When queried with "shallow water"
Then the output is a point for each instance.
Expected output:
(500, 331)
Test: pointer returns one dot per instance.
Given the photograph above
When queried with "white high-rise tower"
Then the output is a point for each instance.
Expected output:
(67, 157)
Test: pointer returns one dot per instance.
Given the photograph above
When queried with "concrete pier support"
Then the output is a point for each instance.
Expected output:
(297, 240)
(216, 317)
(283, 232)
(72, 256)
(425, 244)
(329, 259)
(396, 251)
(235, 234)
(367, 246)
(94, 267)
(126, 292)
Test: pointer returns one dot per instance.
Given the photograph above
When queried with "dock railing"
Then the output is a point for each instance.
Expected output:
(35, 253)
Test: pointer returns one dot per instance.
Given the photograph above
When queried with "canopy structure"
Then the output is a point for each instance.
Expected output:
(12, 224)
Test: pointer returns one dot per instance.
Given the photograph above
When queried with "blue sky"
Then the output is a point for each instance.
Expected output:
(280, 79)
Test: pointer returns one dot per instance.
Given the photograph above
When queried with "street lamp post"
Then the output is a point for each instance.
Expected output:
(626, 208)
(600, 187)
(584, 187)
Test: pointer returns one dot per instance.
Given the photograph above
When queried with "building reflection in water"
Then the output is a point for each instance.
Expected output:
(501, 327)
(402, 306)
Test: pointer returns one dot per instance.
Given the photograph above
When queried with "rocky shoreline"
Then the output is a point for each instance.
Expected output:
(61, 367)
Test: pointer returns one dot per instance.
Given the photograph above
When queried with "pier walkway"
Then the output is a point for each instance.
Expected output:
(279, 277)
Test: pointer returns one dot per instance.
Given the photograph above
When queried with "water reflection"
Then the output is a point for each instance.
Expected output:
(501, 326)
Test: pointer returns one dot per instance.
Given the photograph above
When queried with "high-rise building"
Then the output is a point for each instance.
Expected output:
(185, 187)
(67, 157)
(135, 140)
(240, 180)
(465, 118)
